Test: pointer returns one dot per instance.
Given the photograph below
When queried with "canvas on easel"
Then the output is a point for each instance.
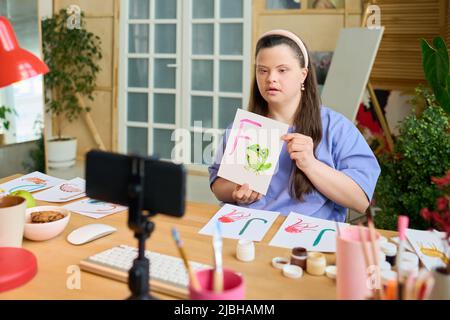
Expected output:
(350, 69)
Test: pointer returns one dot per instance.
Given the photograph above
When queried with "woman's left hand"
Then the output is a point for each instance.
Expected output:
(300, 149)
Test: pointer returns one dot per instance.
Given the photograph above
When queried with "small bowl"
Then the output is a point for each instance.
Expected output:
(47, 230)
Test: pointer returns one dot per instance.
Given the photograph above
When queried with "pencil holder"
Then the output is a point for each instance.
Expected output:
(233, 286)
(352, 276)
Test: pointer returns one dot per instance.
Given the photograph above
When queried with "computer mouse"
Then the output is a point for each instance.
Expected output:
(89, 233)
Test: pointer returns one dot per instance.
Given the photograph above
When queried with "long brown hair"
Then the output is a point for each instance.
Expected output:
(307, 119)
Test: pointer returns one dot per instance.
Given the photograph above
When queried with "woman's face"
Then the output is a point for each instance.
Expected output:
(279, 75)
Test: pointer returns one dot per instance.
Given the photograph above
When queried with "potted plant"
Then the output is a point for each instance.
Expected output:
(440, 220)
(72, 54)
(422, 148)
(415, 178)
(4, 122)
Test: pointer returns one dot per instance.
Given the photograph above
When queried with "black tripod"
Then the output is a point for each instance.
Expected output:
(138, 276)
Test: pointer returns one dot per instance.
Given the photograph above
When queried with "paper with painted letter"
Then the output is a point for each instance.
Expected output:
(30, 182)
(94, 208)
(429, 246)
(241, 223)
(63, 192)
(314, 234)
(252, 150)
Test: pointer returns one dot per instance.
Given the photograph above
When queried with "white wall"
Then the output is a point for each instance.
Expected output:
(45, 8)
(397, 108)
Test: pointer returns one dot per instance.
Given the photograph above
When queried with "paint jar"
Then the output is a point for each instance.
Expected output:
(411, 257)
(382, 240)
(316, 264)
(299, 256)
(382, 255)
(245, 250)
(387, 275)
(390, 250)
(384, 265)
(407, 268)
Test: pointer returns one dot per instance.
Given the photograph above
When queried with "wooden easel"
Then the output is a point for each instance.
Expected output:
(373, 97)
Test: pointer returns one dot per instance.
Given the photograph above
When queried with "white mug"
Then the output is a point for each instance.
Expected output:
(12, 221)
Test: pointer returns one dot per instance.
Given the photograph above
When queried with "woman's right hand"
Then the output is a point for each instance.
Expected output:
(244, 195)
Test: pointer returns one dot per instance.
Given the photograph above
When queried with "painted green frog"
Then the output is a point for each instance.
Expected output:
(256, 158)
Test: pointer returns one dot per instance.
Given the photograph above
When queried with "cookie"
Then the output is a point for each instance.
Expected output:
(45, 216)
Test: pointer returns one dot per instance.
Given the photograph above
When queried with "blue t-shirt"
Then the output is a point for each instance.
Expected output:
(342, 147)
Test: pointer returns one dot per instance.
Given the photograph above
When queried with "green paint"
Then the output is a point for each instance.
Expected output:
(319, 237)
(248, 222)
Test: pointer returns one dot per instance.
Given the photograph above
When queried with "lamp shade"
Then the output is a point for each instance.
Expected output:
(16, 64)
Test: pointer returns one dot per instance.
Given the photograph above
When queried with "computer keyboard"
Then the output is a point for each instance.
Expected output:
(167, 273)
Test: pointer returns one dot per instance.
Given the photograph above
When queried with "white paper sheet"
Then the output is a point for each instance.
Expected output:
(429, 246)
(94, 208)
(408, 246)
(64, 192)
(30, 182)
(241, 223)
(304, 231)
(252, 150)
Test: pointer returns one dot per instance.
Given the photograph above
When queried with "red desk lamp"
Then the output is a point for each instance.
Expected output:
(16, 64)
(17, 265)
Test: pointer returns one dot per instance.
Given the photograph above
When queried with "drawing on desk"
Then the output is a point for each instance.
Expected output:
(233, 216)
(319, 237)
(248, 222)
(241, 223)
(94, 208)
(300, 226)
(304, 231)
(31, 182)
(433, 252)
(67, 187)
(66, 191)
(252, 151)
(429, 247)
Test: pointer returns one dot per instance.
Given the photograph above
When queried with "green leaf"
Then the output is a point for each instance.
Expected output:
(265, 167)
(435, 63)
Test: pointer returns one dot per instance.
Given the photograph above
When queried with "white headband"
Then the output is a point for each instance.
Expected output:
(293, 37)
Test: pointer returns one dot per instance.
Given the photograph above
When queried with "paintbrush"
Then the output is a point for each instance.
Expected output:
(364, 245)
(402, 225)
(192, 277)
(218, 271)
(376, 254)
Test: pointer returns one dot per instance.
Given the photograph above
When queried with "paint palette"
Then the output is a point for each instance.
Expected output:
(241, 223)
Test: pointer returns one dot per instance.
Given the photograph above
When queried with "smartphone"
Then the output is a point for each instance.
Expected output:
(110, 175)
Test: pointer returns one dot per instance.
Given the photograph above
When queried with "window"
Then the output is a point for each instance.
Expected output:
(185, 66)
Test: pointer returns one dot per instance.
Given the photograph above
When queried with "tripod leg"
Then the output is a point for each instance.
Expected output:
(139, 279)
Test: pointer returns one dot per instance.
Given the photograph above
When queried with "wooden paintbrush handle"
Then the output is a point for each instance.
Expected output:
(193, 279)
(218, 281)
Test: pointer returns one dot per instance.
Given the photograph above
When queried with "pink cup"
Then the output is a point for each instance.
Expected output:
(352, 276)
(233, 284)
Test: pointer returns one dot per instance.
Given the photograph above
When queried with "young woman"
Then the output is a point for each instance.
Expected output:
(325, 165)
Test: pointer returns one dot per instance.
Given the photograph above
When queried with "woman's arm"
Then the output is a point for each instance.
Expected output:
(223, 189)
(333, 184)
(227, 191)
(337, 186)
